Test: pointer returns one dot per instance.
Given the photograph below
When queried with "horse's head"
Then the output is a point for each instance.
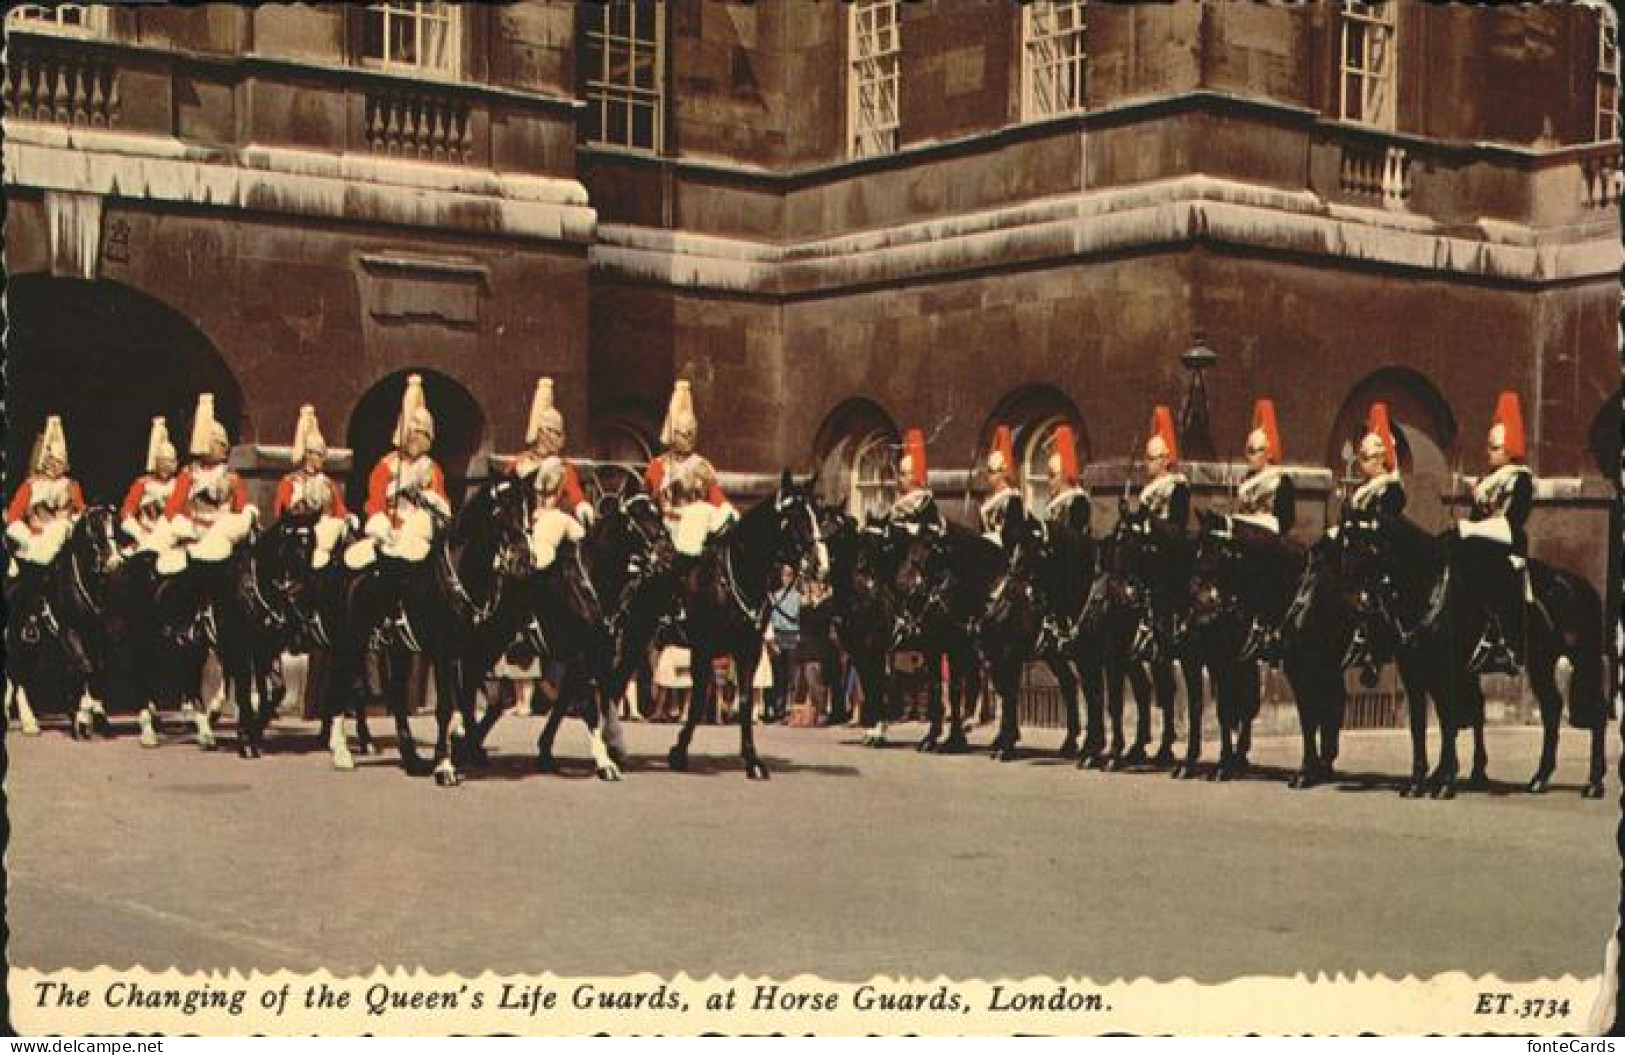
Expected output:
(290, 543)
(94, 540)
(1216, 570)
(630, 528)
(1365, 559)
(495, 524)
(798, 534)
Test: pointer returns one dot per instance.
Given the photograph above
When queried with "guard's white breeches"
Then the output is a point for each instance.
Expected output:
(410, 540)
(328, 531)
(43, 547)
(216, 541)
(695, 523)
(1498, 529)
(550, 529)
(1267, 521)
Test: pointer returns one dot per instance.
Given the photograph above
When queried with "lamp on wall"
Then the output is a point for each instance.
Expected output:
(1195, 437)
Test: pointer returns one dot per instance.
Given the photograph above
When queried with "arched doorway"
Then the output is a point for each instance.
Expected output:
(1033, 413)
(1424, 431)
(855, 450)
(108, 358)
(459, 428)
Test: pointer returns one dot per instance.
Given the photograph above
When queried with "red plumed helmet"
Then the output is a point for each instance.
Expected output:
(1264, 421)
(1003, 455)
(1162, 427)
(914, 452)
(1066, 453)
(1509, 416)
(1378, 425)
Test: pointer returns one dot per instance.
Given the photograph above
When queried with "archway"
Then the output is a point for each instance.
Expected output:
(1033, 413)
(459, 428)
(855, 450)
(1425, 432)
(108, 358)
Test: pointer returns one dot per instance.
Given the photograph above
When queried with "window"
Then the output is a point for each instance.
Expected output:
(1038, 444)
(873, 49)
(73, 19)
(623, 73)
(1053, 58)
(412, 34)
(1367, 64)
(1607, 123)
(873, 485)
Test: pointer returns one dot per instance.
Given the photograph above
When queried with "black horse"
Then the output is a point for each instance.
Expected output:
(1401, 571)
(946, 575)
(1242, 578)
(63, 624)
(457, 609)
(1056, 567)
(726, 593)
(591, 612)
(866, 611)
(1140, 608)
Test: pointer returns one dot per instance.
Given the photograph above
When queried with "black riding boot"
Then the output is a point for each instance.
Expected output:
(1499, 651)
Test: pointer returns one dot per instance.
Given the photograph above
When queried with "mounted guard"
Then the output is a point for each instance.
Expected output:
(915, 506)
(1001, 474)
(208, 510)
(141, 517)
(1068, 502)
(683, 483)
(1493, 542)
(43, 511)
(1166, 494)
(309, 490)
(1383, 492)
(406, 492)
(1267, 497)
(562, 511)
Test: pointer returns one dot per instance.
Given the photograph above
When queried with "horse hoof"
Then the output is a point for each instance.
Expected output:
(447, 780)
(546, 764)
(207, 743)
(1216, 775)
(755, 770)
(618, 756)
(367, 747)
(956, 745)
(1592, 790)
(677, 760)
(1300, 782)
(149, 738)
(1538, 786)
(1445, 791)
(1165, 757)
(1069, 748)
(609, 773)
(343, 761)
(1006, 754)
(31, 729)
(926, 746)
(1088, 761)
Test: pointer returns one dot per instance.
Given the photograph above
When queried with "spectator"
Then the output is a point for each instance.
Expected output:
(816, 661)
(785, 624)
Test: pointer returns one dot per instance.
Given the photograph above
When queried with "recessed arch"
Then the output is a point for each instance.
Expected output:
(459, 428)
(1033, 413)
(1425, 432)
(855, 451)
(108, 358)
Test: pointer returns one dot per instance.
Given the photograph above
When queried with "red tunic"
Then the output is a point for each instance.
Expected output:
(180, 503)
(571, 493)
(134, 498)
(334, 507)
(383, 475)
(655, 476)
(24, 500)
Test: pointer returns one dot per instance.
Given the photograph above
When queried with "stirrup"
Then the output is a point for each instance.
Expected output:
(1146, 648)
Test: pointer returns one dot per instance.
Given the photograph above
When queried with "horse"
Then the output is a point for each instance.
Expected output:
(457, 608)
(1401, 570)
(1242, 577)
(866, 611)
(1051, 571)
(591, 614)
(58, 644)
(946, 574)
(1138, 607)
(725, 595)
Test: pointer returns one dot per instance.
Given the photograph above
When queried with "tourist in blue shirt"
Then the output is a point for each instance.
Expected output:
(785, 619)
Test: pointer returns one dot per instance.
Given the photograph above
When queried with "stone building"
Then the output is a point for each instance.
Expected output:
(838, 220)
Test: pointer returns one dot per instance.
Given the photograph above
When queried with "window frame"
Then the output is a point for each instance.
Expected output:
(877, 492)
(601, 92)
(874, 70)
(1605, 119)
(390, 10)
(1077, 62)
(26, 17)
(1375, 17)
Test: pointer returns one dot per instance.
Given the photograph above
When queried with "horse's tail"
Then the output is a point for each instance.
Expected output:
(1583, 640)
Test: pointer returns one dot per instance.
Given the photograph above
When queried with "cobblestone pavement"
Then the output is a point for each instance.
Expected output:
(848, 863)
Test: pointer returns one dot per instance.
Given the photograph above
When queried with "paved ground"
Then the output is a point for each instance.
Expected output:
(849, 863)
